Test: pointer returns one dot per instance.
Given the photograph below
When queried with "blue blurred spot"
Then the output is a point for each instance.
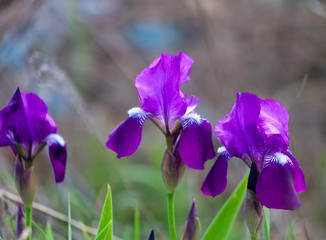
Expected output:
(153, 35)
(14, 48)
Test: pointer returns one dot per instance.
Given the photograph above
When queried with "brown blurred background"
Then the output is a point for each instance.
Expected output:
(82, 57)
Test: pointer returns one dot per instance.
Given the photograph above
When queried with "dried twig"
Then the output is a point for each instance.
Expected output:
(48, 211)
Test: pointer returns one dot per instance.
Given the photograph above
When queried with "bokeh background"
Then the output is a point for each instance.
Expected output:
(82, 57)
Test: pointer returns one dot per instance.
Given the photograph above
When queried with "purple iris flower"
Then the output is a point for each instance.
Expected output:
(162, 101)
(256, 130)
(26, 126)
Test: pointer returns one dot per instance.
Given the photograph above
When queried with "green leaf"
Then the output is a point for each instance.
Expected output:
(105, 233)
(106, 220)
(220, 226)
(266, 224)
(85, 234)
(40, 230)
(290, 235)
(49, 232)
(136, 223)
(128, 233)
(69, 219)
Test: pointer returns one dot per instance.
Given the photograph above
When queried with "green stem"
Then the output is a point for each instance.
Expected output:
(28, 215)
(171, 218)
(254, 237)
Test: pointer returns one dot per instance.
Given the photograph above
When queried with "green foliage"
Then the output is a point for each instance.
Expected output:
(49, 232)
(105, 228)
(290, 235)
(40, 230)
(266, 224)
(106, 233)
(69, 219)
(86, 237)
(222, 223)
(137, 223)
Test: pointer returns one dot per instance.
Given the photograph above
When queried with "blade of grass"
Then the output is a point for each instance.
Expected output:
(69, 219)
(49, 232)
(266, 224)
(290, 236)
(220, 226)
(39, 229)
(136, 223)
(106, 216)
(105, 233)
(85, 234)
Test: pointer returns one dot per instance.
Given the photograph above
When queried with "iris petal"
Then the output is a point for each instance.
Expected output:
(25, 119)
(192, 103)
(274, 119)
(196, 146)
(299, 180)
(126, 137)
(4, 140)
(215, 181)
(275, 185)
(58, 155)
(238, 130)
(158, 88)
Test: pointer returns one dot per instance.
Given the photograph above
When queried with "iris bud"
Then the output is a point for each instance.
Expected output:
(151, 236)
(172, 170)
(254, 212)
(25, 182)
(20, 221)
(190, 229)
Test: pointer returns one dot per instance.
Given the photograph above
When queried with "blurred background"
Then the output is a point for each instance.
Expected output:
(82, 58)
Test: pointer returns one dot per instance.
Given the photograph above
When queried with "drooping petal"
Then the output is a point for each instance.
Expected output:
(196, 146)
(238, 130)
(299, 179)
(215, 182)
(159, 88)
(126, 137)
(274, 119)
(275, 185)
(58, 155)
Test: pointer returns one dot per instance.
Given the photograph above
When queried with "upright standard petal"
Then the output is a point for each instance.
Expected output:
(159, 88)
(126, 137)
(196, 146)
(25, 120)
(58, 155)
(274, 119)
(185, 67)
(15, 121)
(238, 130)
(192, 103)
(4, 140)
(215, 182)
(275, 185)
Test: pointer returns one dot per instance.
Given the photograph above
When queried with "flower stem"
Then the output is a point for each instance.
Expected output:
(28, 214)
(171, 218)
